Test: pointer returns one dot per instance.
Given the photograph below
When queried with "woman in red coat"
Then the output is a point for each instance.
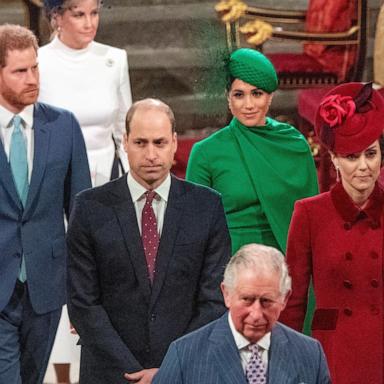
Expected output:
(336, 238)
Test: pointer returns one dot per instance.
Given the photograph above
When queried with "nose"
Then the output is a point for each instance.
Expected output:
(32, 76)
(363, 162)
(248, 102)
(151, 153)
(256, 310)
(88, 21)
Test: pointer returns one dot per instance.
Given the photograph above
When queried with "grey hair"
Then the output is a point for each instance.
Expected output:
(262, 259)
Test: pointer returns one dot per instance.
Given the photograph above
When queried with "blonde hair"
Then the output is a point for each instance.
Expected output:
(51, 13)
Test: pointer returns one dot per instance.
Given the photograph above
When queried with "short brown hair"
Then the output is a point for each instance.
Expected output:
(15, 37)
(150, 104)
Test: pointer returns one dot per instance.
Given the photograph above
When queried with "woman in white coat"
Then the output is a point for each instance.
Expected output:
(91, 80)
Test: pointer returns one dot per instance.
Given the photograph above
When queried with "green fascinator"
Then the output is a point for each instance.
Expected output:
(254, 68)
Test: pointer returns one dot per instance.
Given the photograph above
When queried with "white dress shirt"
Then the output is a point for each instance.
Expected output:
(6, 130)
(243, 345)
(159, 203)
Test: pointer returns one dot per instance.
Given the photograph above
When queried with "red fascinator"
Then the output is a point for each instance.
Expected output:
(350, 117)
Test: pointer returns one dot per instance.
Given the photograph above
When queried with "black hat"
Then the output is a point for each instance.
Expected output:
(50, 4)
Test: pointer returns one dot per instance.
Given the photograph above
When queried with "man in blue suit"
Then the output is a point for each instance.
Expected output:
(43, 164)
(146, 257)
(248, 345)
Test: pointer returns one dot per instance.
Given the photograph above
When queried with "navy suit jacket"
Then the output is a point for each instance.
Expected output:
(125, 324)
(210, 356)
(60, 170)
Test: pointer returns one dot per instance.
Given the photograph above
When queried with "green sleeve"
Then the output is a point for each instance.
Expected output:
(198, 167)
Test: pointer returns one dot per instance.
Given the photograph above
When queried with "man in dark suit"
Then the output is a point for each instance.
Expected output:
(248, 345)
(147, 254)
(43, 164)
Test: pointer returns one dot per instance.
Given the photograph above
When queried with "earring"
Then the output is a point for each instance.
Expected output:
(337, 174)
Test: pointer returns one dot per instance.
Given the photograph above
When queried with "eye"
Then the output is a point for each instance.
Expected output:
(257, 92)
(237, 94)
(370, 154)
(247, 300)
(95, 13)
(351, 157)
(266, 302)
(78, 15)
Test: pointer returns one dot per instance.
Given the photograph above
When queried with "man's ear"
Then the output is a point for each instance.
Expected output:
(125, 142)
(226, 295)
(286, 298)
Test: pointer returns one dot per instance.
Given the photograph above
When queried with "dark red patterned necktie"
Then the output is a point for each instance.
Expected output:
(149, 234)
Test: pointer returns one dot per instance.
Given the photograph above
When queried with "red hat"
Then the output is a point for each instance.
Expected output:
(350, 118)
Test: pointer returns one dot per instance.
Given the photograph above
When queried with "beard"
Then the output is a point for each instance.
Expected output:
(22, 99)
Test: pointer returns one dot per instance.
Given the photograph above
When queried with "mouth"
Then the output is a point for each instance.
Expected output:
(250, 115)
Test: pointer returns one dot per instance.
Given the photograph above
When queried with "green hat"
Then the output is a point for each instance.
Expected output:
(254, 68)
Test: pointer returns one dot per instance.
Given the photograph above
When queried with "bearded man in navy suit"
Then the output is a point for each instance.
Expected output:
(247, 344)
(147, 254)
(43, 164)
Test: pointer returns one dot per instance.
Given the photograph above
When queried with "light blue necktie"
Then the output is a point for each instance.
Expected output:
(19, 165)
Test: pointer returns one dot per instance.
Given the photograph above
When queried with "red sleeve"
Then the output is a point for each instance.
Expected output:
(299, 259)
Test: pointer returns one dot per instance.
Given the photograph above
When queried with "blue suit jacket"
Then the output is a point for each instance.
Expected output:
(210, 356)
(125, 323)
(60, 170)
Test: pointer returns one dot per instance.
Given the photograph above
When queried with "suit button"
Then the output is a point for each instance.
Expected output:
(374, 255)
(375, 224)
(17, 255)
(348, 256)
(374, 310)
(347, 284)
(153, 317)
(374, 283)
(347, 226)
(147, 349)
(348, 311)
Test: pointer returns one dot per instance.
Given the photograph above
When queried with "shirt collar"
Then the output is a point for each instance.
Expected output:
(350, 212)
(137, 190)
(26, 114)
(242, 342)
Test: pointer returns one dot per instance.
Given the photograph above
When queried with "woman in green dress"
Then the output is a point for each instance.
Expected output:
(259, 165)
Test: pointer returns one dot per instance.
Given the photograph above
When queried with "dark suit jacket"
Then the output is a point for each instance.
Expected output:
(60, 170)
(210, 356)
(126, 325)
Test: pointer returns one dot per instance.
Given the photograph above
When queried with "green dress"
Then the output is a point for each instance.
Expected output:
(260, 173)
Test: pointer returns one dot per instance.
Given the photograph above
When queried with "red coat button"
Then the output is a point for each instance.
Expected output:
(347, 226)
(374, 283)
(375, 224)
(347, 284)
(348, 256)
(348, 311)
(374, 310)
(374, 255)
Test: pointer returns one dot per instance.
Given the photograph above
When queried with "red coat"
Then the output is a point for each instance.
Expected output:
(342, 249)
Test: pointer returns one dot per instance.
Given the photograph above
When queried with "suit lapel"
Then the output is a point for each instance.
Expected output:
(41, 145)
(6, 178)
(279, 365)
(168, 237)
(225, 354)
(126, 214)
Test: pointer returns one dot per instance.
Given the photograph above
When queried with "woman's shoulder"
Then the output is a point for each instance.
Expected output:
(220, 136)
(319, 200)
(108, 50)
